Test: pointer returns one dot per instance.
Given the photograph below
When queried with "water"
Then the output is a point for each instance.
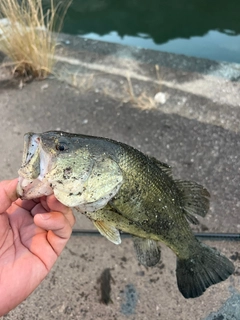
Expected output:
(201, 28)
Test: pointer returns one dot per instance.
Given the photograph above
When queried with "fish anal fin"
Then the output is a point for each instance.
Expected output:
(108, 230)
(148, 252)
(194, 198)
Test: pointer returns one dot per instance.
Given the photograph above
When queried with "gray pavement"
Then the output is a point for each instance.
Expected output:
(108, 90)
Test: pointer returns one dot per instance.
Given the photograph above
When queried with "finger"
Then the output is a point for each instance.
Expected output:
(27, 204)
(38, 208)
(55, 205)
(59, 229)
(7, 193)
(34, 206)
(44, 203)
(30, 204)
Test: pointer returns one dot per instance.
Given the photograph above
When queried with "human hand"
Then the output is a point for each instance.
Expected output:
(33, 233)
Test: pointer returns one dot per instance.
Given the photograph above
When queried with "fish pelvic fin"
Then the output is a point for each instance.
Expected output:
(108, 231)
(205, 268)
(148, 252)
(195, 199)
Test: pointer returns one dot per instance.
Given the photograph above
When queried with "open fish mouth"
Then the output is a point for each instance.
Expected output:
(35, 164)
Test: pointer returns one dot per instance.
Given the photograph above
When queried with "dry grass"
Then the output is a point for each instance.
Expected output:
(84, 84)
(127, 89)
(27, 38)
(124, 93)
(142, 101)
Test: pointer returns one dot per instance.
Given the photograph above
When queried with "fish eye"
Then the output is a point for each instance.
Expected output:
(61, 146)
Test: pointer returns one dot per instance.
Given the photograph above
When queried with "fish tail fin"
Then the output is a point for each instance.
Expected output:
(205, 268)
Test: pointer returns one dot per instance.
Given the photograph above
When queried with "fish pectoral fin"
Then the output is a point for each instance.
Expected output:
(148, 251)
(108, 230)
(194, 198)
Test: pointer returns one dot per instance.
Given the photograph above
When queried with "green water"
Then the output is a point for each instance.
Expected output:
(202, 28)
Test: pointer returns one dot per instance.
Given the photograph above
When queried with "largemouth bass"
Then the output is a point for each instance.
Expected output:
(120, 188)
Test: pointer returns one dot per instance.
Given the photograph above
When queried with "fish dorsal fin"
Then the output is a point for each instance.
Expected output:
(194, 199)
(148, 252)
(108, 230)
(163, 166)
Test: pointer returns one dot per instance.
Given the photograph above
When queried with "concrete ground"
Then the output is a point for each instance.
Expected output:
(108, 90)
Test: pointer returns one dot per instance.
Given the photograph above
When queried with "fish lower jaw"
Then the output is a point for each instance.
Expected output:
(31, 189)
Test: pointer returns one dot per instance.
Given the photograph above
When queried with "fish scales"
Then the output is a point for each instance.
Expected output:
(154, 197)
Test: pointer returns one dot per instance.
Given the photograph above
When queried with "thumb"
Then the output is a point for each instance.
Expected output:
(7, 193)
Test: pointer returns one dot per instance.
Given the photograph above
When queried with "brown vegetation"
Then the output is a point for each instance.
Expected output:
(26, 36)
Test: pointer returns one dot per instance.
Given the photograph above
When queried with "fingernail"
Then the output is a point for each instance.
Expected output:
(45, 216)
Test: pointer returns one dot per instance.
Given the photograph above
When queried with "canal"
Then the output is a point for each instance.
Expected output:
(201, 28)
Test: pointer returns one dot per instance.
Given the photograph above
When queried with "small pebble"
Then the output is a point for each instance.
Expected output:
(44, 87)
(160, 97)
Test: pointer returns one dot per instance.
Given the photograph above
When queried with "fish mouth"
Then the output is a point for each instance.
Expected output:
(32, 182)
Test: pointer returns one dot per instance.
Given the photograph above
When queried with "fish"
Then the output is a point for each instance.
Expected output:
(120, 189)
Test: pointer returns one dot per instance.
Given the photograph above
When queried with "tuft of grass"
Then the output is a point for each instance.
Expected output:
(26, 36)
(142, 101)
